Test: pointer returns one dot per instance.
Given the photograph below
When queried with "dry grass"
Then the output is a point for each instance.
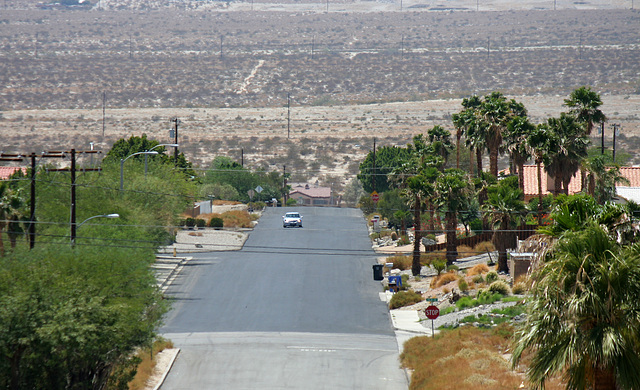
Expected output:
(443, 279)
(478, 269)
(146, 366)
(465, 358)
(465, 251)
(484, 247)
(401, 262)
(231, 219)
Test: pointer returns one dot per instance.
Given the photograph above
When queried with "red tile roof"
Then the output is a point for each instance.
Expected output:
(575, 185)
(6, 172)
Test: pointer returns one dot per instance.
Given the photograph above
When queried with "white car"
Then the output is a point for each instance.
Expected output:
(292, 218)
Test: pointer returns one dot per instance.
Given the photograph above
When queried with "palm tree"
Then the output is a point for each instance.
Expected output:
(453, 190)
(463, 122)
(537, 143)
(584, 314)
(567, 148)
(600, 180)
(495, 113)
(505, 209)
(584, 105)
(517, 132)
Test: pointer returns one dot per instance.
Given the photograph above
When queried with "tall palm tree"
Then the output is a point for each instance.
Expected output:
(584, 104)
(463, 122)
(505, 209)
(567, 148)
(537, 143)
(517, 132)
(495, 113)
(584, 314)
(453, 190)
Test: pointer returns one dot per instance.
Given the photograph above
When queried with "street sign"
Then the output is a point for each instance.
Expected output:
(251, 193)
(375, 197)
(432, 312)
(259, 189)
(431, 299)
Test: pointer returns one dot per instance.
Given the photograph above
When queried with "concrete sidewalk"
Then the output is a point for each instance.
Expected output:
(406, 323)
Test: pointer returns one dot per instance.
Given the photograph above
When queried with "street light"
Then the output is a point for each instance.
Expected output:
(73, 231)
(122, 160)
(157, 146)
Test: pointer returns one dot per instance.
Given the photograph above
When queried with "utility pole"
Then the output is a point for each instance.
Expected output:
(242, 157)
(221, 39)
(488, 47)
(175, 139)
(615, 126)
(32, 213)
(284, 185)
(313, 45)
(288, 114)
(402, 46)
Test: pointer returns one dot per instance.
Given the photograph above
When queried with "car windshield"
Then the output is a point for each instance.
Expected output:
(292, 215)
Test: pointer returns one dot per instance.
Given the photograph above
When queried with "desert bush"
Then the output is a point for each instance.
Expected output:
(446, 278)
(237, 218)
(401, 262)
(200, 223)
(404, 298)
(463, 285)
(478, 269)
(486, 297)
(484, 247)
(453, 267)
(394, 236)
(519, 288)
(216, 222)
(491, 277)
(499, 287)
(478, 279)
(190, 222)
(465, 251)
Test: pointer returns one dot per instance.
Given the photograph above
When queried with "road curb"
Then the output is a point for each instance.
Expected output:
(166, 371)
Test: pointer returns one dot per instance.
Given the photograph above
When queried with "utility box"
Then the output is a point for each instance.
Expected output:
(377, 272)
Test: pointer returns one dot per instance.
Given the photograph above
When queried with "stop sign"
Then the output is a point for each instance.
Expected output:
(432, 312)
(375, 197)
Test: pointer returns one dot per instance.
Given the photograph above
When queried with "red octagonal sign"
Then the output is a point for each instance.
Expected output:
(432, 312)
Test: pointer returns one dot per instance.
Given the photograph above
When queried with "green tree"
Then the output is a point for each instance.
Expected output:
(584, 105)
(11, 204)
(387, 158)
(600, 180)
(352, 192)
(453, 190)
(494, 114)
(467, 124)
(538, 144)
(516, 135)
(567, 149)
(583, 316)
(505, 209)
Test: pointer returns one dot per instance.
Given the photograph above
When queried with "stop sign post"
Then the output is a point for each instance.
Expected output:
(432, 312)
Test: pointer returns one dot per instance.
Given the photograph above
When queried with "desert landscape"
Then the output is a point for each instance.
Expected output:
(353, 71)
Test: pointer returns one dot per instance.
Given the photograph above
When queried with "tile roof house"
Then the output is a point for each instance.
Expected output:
(575, 185)
(6, 172)
(311, 195)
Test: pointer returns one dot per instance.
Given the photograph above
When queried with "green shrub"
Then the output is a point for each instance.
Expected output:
(453, 267)
(499, 287)
(404, 240)
(519, 288)
(190, 222)
(491, 277)
(201, 223)
(486, 297)
(465, 302)
(439, 266)
(478, 279)
(394, 236)
(463, 285)
(216, 222)
(404, 298)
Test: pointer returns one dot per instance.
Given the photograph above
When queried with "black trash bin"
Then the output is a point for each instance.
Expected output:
(377, 272)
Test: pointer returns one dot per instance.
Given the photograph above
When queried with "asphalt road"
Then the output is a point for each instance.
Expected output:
(296, 308)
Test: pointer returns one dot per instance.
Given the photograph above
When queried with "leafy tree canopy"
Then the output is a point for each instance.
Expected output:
(387, 158)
